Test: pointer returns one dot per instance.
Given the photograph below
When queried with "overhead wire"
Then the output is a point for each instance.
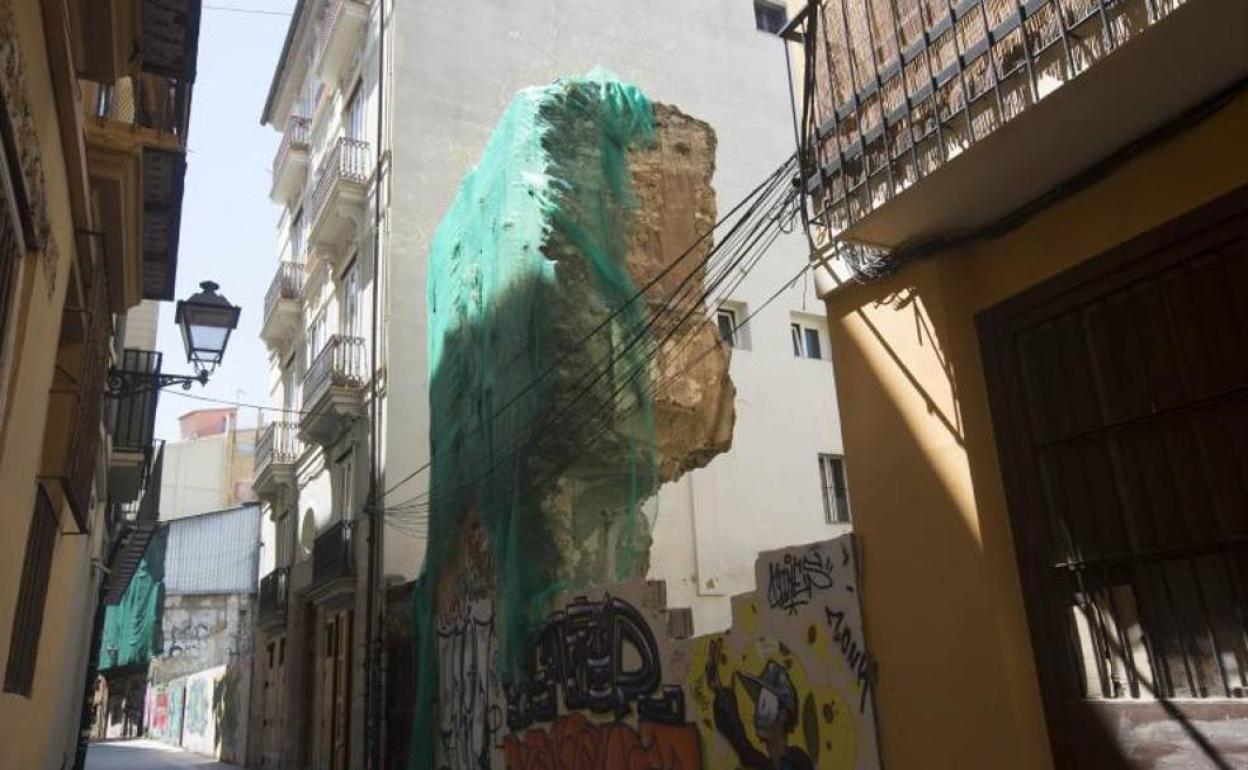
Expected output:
(752, 246)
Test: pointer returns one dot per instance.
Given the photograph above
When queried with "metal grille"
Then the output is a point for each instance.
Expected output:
(84, 432)
(287, 285)
(339, 364)
(1120, 403)
(331, 553)
(19, 673)
(273, 592)
(278, 444)
(892, 89)
(347, 161)
(10, 256)
(134, 416)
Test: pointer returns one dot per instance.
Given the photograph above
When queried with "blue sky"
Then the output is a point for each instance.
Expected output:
(228, 223)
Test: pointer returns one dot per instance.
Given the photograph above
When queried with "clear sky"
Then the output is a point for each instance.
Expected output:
(228, 223)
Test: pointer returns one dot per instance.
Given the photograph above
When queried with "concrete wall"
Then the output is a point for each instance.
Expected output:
(207, 473)
(201, 632)
(709, 60)
(942, 601)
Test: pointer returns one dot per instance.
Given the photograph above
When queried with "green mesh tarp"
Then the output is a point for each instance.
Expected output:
(129, 633)
(528, 292)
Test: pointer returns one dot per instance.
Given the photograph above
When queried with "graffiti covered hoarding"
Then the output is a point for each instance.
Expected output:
(788, 686)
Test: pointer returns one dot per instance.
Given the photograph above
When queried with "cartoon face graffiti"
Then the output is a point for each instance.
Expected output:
(775, 714)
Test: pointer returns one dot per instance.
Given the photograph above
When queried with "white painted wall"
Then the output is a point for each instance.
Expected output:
(195, 477)
(456, 67)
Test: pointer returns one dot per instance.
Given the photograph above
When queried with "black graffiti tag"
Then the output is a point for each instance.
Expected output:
(856, 656)
(792, 582)
(603, 657)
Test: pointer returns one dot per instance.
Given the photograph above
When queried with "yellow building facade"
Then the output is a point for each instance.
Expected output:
(93, 126)
(1038, 332)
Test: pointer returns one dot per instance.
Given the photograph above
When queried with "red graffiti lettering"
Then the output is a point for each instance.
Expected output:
(575, 743)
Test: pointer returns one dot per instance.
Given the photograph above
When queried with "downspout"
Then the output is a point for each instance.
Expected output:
(373, 624)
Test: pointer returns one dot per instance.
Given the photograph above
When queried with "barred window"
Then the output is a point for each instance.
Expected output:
(835, 494)
(19, 674)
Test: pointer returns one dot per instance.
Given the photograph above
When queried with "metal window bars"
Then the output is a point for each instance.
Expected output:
(892, 89)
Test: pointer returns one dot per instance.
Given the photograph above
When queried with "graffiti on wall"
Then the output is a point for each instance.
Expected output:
(165, 722)
(198, 705)
(467, 670)
(789, 685)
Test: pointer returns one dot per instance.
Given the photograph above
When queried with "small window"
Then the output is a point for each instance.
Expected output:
(835, 493)
(806, 341)
(726, 319)
(32, 593)
(769, 17)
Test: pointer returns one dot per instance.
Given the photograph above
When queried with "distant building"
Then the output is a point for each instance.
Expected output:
(210, 468)
(175, 652)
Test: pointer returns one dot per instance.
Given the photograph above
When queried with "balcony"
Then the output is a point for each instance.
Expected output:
(133, 424)
(339, 196)
(283, 306)
(338, 38)
(290, 164)
(274, 588)
(331, 559)
(333, 389)
(277, 454)
(903, 103)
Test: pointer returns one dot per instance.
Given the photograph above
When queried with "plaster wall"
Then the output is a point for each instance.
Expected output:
(938, 558)
(710, 61)
(40, 731)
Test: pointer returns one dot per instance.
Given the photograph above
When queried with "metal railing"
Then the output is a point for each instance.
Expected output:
(287, 284)
(340, 364)
(331, 553)
(273, 592)
(148, 100)
(279, 444)
(134, 416)
(294, 137)
(347, 161)
(892, 89)
(83, 444)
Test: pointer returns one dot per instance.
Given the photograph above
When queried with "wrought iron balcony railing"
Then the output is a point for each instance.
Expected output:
(273, 592)
(331, 553)
(134, 415)
(335, 11)
(278, 445)
(82, 445)
(295, 137)
(349, 160)
(891, 90)
(340, 364)
(287, 285)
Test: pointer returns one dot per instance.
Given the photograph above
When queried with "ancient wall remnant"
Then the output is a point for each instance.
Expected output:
(573, 370)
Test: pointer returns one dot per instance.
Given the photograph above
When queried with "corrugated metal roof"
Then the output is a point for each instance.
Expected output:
(214, 553)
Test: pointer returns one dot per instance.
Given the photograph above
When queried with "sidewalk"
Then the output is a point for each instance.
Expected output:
(146, 755)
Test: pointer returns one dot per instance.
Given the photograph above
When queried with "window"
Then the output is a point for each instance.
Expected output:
(806, 341)
(350, 324)
(835, 494)
(316, 337)
(726, 320)
(353, 115)
(296, 238)
(19, 674)
(769, 17)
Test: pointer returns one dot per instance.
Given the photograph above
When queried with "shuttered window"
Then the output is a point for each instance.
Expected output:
(19, 674)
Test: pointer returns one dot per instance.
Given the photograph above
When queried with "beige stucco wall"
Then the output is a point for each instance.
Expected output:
(38, 732)
(943, 606)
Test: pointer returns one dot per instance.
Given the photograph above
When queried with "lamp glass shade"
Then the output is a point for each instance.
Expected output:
(206, 320)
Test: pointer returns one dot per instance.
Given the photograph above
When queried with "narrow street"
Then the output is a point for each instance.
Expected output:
(147, 755)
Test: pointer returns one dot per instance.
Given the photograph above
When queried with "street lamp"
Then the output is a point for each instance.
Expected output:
(206, 320)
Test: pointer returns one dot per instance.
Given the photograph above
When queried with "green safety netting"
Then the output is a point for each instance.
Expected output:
(129, 634)
(528, 292)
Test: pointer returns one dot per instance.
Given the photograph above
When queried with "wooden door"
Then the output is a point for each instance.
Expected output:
(274, 690)
(1119, 395)
(334, 693)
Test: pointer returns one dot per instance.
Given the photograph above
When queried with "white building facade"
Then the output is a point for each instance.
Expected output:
(348, 377)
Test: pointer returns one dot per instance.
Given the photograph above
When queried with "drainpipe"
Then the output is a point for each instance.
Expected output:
(375, 610)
